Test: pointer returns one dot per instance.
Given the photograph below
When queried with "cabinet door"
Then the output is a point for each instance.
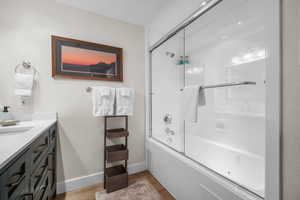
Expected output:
(43, 191)
(39, 175)
(52, 162)
(24, 193)
(52, 171)
(15, 180)
(39, 149)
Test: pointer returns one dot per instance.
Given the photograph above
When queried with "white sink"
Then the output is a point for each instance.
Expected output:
(14, 129)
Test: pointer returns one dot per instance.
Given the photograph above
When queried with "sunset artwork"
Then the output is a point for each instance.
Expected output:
(84, 60)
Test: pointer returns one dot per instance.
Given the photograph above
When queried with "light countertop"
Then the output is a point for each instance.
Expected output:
(15, 139)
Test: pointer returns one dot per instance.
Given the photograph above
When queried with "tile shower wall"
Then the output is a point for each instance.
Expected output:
(222, 47)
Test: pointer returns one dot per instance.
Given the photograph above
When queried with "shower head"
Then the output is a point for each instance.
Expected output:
(170, 54)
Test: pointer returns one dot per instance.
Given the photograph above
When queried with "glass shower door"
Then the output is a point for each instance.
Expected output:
(226, 46)
(167, 79)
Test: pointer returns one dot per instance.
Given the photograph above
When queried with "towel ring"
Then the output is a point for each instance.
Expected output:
(26, 65)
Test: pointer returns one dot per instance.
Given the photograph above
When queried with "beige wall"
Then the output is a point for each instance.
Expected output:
(291, 100)
(25, 30)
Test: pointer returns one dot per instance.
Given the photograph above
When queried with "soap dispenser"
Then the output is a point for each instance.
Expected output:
(5, 115)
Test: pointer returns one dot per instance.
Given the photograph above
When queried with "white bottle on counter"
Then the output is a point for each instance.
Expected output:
(5, 115)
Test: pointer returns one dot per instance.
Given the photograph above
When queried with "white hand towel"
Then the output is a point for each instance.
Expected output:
(105, 91)
(103, 101)
(124, 101)
(202, 98)
(125, 92)
(23, 84)
(191, 103)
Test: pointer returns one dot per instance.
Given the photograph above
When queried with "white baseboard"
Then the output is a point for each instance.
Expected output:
(96, 178)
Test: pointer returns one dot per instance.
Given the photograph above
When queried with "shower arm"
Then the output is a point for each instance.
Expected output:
(226, 85)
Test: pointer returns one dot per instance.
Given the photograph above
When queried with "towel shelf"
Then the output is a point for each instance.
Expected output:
(115, 153)
(226, 85)
(115, 177)
(116, 133)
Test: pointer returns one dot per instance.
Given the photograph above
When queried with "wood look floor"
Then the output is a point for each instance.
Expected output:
(88, 193)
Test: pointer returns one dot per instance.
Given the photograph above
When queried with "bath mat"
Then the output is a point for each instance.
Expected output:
(139, 190)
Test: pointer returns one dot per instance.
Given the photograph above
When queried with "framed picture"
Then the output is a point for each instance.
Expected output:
(85, 60)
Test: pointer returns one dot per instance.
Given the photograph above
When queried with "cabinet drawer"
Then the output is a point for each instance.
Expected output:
(38, 175)
(39, 149)
(16, 178)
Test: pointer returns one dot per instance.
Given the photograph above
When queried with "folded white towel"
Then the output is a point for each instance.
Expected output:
(23, 84)
(124, 101)
(105, 91)
(125, 92)
(191, 103)
(103, 101)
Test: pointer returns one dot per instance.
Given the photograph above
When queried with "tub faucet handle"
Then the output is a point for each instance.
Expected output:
(169, 131)
(167, 118)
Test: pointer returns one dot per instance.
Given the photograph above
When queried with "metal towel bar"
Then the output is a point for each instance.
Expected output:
(226, 85)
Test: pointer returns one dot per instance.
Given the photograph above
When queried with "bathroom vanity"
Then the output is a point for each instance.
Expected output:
(28, 161)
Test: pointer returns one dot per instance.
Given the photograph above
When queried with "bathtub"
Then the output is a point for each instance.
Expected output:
(186, 179)
(242, 167)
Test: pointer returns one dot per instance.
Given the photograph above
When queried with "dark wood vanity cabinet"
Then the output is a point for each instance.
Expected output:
(32, 174)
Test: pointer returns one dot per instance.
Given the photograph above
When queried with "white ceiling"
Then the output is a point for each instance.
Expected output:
(132, 11)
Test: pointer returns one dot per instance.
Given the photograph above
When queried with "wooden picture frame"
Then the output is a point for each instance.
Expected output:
(78, 59)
